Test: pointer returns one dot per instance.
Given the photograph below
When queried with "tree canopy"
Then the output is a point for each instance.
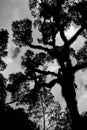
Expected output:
(50, 18)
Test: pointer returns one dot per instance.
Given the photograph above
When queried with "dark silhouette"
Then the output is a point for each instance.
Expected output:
(56, 16)
(51, 17)
(10, 118)
(16, 119)
(3, 47)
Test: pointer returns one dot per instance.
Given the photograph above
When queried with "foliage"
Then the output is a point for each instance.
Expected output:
(40, 111)
(51, 17)
(3, 46)
(2, 90)
(16, 119)
(59, 119)
(48, 114)
(22, 32)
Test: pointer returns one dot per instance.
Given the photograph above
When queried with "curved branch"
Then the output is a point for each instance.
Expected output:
(52, 83)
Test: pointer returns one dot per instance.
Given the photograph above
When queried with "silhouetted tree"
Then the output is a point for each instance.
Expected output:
(10, 118)
(3, 52)
(51, 17)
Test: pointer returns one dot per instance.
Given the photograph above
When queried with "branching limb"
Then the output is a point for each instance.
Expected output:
(79, 66)
(63, 36)
(76, 35)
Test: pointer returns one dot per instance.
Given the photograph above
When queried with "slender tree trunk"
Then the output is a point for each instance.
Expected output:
(43, 114)
(44, 121)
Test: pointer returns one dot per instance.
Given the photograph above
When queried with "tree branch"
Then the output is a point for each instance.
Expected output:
(63, 36)
(79, 66)
(45, 72)
(39, 47)
(76, 35)
(51, 125)
(11, 102)
(52, 83)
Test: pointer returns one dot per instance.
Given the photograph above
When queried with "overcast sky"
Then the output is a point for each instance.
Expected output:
(11, 10)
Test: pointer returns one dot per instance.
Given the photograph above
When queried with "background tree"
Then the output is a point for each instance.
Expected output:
(40, 111)
(51, 17)
(10, 118)
(46, 113)
(3, 52)
(59, 119)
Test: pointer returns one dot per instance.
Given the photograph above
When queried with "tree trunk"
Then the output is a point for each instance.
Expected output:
(44, 121)
(43, 114)
(68, 91)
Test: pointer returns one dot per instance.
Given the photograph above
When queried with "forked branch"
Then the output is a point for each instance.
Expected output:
(76, 35)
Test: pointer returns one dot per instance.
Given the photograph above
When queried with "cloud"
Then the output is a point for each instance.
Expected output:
(56, 91)
(15, 52)
(53, 66)
(71, 31)
(82, 103)
(8, 60)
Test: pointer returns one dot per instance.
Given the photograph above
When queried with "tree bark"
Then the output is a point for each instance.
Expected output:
(43, 114)
(68, 91)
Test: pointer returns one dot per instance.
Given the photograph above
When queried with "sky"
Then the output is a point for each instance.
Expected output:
(11, 10)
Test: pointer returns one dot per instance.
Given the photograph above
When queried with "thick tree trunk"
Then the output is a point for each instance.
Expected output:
(69, 94)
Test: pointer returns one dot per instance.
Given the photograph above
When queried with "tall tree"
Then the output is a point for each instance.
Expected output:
(52, 17)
